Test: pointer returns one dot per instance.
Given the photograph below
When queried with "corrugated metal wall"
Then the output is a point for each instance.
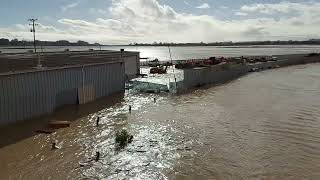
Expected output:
(132, 66)
(26, 95)
(221, 74)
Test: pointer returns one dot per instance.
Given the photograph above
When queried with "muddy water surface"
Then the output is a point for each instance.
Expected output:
(264, 125)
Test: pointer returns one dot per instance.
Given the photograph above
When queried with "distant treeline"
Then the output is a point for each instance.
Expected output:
(16, 42)
(290, 42)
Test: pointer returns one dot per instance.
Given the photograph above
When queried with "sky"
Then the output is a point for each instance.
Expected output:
(147, 21)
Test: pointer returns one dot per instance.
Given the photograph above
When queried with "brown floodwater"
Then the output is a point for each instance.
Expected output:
(265, 125)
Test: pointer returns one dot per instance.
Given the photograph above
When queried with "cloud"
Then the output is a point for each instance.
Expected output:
(69, 6)
(282, 7)
(256, 31)
(40, 27)
(241, 14)
(147, 9)
(149, 20)
(203, 6)
(186, 3)
(98, 12)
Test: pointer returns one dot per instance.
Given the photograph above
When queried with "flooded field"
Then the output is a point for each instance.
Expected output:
(262, 126)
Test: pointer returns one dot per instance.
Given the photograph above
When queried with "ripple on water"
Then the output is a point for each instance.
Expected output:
(152, 150)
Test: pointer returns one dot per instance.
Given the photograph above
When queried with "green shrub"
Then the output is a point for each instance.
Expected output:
(123, 138)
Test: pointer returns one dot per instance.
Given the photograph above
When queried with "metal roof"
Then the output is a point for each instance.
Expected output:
(26, 62)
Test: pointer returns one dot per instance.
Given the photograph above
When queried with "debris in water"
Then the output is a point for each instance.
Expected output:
(147, 164)
(97, 156)
(82, 164)
(97, 121)
(45, 131)
(59, 124)
(88, 162)
(130, 139)
(130, 108)
(55, 145)
(141, 151)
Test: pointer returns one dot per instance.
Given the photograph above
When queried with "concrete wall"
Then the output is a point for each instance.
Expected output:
(30, 94)
(212, 75)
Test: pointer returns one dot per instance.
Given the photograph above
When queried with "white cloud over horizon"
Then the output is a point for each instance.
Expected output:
(241, 14)
(203, 6)
(69, 6)
(149, 21)
(282, 7)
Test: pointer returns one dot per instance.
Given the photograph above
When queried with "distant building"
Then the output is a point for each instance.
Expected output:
(315, 40)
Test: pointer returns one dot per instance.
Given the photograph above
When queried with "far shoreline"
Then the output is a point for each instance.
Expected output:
(179, 46)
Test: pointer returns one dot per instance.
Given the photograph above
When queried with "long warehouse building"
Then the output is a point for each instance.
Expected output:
(34, 85)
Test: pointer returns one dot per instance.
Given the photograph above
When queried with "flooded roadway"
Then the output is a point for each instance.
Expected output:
(265, 125)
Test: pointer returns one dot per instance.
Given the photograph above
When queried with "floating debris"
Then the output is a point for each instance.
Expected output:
(55, 145)
(97, 156)
(59, 124)
(97, 121)
(88, 162)
(130, 108)
(46, 131)
(141, 151)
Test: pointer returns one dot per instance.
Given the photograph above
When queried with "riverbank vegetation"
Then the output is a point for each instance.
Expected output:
(16, 42)
(230, 43)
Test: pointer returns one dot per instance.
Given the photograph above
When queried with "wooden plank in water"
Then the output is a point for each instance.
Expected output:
(45, 131)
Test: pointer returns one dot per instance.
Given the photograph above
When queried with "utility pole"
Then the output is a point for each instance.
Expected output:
(174, 75)
(33, 24)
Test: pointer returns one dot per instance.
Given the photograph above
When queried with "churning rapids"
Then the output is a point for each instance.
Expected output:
(265, 125)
